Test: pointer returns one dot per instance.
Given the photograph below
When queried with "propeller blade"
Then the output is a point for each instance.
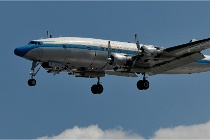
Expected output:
(138, 47)
(109, 59)
(109, 49)
(137, 42)
(47, 34)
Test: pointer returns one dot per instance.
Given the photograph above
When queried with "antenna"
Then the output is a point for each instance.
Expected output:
(47, 34)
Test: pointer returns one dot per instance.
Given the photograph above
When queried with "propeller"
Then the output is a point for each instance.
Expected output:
(109, 59)
(139, 50)
(109, 50)
(137, 42)
(48, 35)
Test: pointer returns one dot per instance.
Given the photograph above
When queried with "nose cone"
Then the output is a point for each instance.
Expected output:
(21, 51)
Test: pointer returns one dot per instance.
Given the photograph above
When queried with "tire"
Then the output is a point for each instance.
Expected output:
(139, 85)
(145, 84)
(94, 89)
(31, 82)
(99, 88)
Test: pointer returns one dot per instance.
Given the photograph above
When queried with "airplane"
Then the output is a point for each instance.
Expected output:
(94, 58)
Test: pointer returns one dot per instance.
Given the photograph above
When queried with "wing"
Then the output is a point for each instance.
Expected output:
(189, 48)
(174, 57)
(175, 63)
(118, 73)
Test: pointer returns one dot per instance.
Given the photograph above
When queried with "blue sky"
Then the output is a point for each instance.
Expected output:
(61, 102)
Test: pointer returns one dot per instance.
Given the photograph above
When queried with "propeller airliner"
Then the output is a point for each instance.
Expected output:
(94, 58)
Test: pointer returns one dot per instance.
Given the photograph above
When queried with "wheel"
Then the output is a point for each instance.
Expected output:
(94, 89)
(145, 84)
(97, 89)
(31, 82)
(140, 85)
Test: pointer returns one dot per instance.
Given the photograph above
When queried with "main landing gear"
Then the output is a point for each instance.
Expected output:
(143, 84)
(32, 81)
(97, 88)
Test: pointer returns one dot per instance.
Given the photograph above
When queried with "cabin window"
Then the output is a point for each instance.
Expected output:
(34, 42)
(31, 42)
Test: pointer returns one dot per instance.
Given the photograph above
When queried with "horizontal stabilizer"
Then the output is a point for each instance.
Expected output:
(193, 40)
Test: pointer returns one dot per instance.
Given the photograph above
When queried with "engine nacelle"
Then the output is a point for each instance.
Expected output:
(151, 50)
(121, 59)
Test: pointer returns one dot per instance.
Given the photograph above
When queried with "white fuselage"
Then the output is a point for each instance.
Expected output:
(92, 53)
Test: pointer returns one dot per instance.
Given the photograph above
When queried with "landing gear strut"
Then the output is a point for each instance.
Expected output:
(32, 81)
(97, 88)
(143, 84)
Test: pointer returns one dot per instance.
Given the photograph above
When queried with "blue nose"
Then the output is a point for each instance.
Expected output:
(21, 51)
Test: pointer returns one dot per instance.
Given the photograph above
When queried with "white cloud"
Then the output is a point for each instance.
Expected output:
(94, 132)
(198, 131)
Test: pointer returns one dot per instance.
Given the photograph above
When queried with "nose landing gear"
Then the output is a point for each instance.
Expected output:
(97, 88)
(32, 81)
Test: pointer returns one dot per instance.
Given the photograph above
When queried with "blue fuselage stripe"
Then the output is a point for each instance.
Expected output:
(84, 47)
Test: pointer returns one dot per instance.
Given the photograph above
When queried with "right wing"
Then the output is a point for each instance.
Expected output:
(174, 57)
(188, 48)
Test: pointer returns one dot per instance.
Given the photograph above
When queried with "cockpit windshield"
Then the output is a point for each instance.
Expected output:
(34, 43)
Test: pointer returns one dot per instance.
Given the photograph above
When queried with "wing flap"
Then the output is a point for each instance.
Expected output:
(117, 73)
(175, 63)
